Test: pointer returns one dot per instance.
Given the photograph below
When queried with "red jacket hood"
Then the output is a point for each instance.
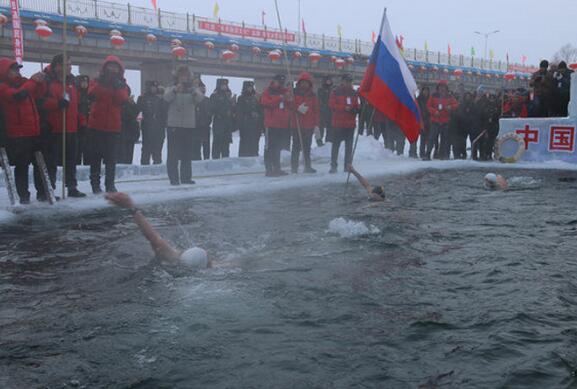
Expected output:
(5, 64)
(305, 76)
(114, 59)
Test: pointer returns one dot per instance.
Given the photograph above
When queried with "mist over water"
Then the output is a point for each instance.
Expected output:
(449, 285)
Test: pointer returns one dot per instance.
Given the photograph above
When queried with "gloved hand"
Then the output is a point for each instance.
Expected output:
(63, 104)
(303, 109)
(22, 95)
(119, 84)
(317, 132)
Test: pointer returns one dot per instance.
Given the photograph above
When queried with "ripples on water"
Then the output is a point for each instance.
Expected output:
(458, 288)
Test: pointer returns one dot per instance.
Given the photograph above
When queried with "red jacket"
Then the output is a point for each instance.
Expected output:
(441, 108)
(344, 104)
(107, 100)
(276, 110)
(53, 97)
(20, 115)
(309, 120)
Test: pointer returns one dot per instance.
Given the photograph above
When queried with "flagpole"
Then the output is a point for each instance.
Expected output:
(64, 93)
(289, 73)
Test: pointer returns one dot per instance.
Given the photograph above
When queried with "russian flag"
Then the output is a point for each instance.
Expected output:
(389, 86)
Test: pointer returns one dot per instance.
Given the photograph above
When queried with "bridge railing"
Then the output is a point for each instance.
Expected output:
(179, 22)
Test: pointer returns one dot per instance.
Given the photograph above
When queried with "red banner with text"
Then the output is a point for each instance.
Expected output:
(17, 37)
(246, 32)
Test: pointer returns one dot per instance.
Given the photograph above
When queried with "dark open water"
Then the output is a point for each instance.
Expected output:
(461, 288)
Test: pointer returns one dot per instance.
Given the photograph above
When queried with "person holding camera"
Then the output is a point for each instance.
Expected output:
(182, 131)
(108, 94)
(223, 104)
(344, 104)
(541, 84)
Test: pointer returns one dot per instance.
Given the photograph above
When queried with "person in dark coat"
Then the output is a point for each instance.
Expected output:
(491, 108)
(108, 94)
(203, 120)
(53, 104)
(153, 109)
(541, 83)
(249, 117)
(422, 100)
(276, 101)
(463, 124)
(345, 107)
(130, 132)
(223, 105)
(82, 84)
(561, 89)
(324, 95)
(182, 132)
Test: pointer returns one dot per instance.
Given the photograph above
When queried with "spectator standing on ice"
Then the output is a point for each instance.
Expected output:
(491, 113)
(306, 119)
(276, 101)
(82, 85)
(422, 100)
(182, 99)
(249, 119)
(130, 132)
(54, 103)
(21, 121)
(152, 107)
(344, 103)
(541, 84)
(561, 89)
(324, 95)
(440, 106)
(223, 105)
(203, 120)
(108, 94)
(463, 123)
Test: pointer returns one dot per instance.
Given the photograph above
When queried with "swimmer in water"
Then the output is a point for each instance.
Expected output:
(376, 193)
(194, 257)
(495, 182)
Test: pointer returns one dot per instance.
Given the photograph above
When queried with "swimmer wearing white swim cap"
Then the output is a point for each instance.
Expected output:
(195, 257)
(495, 182)
(376, 193)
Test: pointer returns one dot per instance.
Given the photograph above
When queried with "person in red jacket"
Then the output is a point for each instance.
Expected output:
(344, 104)
(276, 101)
(22, 122)
(440, 106)
(54, 103)
(306, 119)
(108, 93)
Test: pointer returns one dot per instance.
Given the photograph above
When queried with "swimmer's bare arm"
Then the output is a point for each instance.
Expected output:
(363, 181)
(161, 247)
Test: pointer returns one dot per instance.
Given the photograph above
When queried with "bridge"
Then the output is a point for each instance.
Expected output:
(148, 37)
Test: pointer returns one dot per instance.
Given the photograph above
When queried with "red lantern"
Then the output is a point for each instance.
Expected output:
(43, 31)
(234, 47)
(274, 55)
(256, 50)
(458, 72)
(227, 55)
(117, 41)
(340, 63)
(351, 60)
(509, 76)
(209, 45)
(573, 66)
(435, 69)
(80, 31)
(469, 73)
(446, 71)
(3, 20)
(115, 33)
(40, 22)
(423, 68)
(175, 43)
(150, 39)
(314, 57)
(488, 75)
(179, 52)
(297, 55)
(333, 59)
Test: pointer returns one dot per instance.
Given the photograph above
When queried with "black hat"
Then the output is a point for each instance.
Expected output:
(347, 77)
(16, 66)
(544, 64)
(221, 81)
(562, 65)
(247, 84)
(280, 78)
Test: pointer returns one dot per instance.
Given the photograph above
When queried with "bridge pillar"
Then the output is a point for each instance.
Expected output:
(160, 72)
(260, 84)
(89, 69)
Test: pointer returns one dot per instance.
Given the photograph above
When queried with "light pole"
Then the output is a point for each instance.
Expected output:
(486, 35)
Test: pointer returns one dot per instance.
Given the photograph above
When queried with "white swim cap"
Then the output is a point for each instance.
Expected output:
(195, 257)
(490, 180)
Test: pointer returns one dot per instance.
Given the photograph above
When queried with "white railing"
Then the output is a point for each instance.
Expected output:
(178, 22)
